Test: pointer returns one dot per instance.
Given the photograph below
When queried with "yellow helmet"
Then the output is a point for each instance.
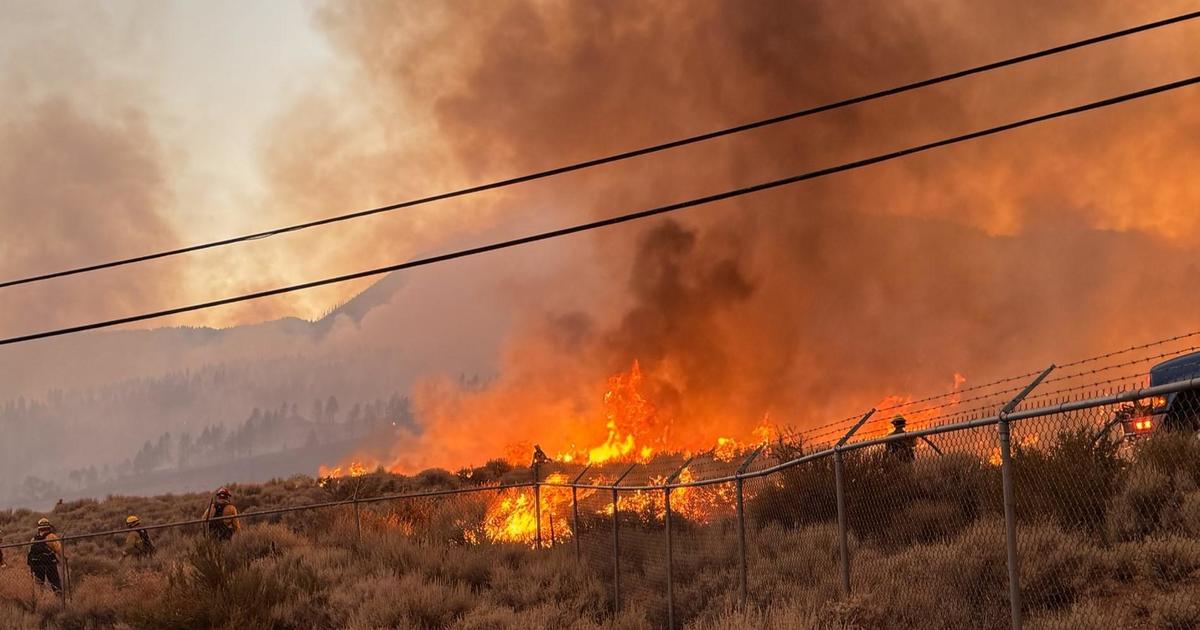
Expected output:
(43, 522)
(132, 520)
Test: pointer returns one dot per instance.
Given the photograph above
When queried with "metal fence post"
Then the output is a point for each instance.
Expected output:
(1010, 526)
(575, 522)
(840, 492)
(617, 540)
(537, 501)
(575, 511)
(66, 573)
(670, 560)
(1010, 517)
(740, 484)
(357, 524)
(357, 515)
(843, 534)
(670, 543)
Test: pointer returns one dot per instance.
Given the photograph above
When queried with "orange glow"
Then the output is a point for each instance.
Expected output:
(353, 469)
(628, 416)
(514, 519)
(634, 430)
(917, 414)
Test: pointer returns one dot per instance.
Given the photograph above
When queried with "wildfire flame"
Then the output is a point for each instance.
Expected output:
(353, 469)
(628, 416)
(635, 432)
(515, 518)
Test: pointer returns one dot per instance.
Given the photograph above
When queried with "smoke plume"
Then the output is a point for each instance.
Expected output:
(820, 298)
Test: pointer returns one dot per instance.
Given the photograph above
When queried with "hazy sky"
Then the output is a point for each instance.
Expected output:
(177, 122)
(209, 74)
(127, 127)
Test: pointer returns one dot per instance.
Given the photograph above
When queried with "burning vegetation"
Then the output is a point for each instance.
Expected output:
(637, 433)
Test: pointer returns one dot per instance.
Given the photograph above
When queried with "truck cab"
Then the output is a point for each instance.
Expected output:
(1179, 411)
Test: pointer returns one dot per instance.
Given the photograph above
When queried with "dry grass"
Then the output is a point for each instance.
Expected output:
(932, 556)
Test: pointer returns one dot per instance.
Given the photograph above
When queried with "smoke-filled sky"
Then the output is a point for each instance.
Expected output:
(135, 126)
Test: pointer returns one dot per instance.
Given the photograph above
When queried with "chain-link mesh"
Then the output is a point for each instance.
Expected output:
(1106, 500)
(1109, 514)
(792, 535)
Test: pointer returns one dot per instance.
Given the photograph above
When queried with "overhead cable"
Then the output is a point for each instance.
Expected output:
(616, 157)
(615, 220)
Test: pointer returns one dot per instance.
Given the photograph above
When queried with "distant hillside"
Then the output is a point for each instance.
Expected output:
(94, 412)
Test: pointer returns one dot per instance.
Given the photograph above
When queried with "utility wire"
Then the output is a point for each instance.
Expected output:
(616, 157)
(619, 219)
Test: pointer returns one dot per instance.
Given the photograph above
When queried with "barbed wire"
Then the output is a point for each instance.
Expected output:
(817, 433)
(1130, 349)
(1114, 366)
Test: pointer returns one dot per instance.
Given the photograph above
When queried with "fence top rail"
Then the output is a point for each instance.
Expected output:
(280, 510)
(1014, 416)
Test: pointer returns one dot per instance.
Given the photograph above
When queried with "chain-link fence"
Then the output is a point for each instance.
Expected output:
(1062, 515)
(1080, 511)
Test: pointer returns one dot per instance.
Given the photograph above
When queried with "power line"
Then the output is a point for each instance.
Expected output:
(616, 157)
(624, 218)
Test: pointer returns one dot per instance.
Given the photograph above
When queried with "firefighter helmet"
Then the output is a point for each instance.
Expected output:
(44, 523)
(132, 519)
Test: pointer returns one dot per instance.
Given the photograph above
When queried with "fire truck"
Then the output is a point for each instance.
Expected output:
(1174, 412)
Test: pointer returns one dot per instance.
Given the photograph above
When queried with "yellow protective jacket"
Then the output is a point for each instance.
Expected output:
(136, 546)
(226, 527)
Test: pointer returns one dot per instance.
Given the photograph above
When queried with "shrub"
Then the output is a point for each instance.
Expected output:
(1139, 505)
(1170, 560)
(1056, 566)
(1179, 610)
(1071, 481)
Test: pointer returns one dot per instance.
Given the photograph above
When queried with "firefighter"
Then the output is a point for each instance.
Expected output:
(221, 506)
(137, 541)
(539, 456)
(902, 450)
(45, 552)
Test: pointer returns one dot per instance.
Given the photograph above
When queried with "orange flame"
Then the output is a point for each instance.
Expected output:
(515, 518)
(353, 469)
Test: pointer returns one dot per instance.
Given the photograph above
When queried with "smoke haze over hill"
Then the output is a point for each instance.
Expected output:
(803, 303)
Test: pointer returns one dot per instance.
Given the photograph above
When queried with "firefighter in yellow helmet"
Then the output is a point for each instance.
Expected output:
(220, 516)
(137, 541)
(904, 449)
(45, 552)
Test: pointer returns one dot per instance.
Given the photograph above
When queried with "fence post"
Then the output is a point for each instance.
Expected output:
(357, 523)
(357, 515)
(1010, 518)
(66, 573)
(575, 511)
(670, 543)
(670, 560)
(537, 499)
(740, 483)
(617, 540)
(843, 533)
(840, 492)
